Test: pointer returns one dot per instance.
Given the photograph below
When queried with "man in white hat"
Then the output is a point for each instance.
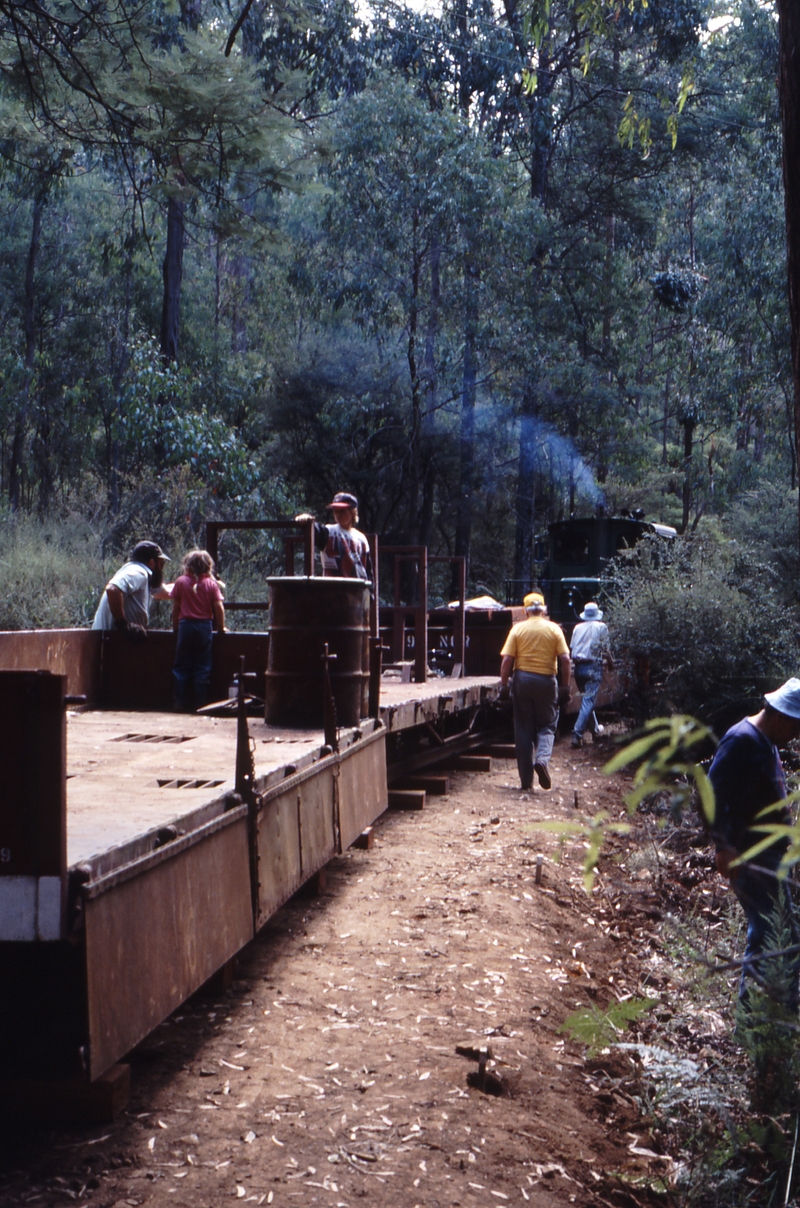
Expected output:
(537, 652)
(590, 648)
(747, 777)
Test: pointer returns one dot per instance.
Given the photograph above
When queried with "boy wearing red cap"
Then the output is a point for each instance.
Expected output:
(343, 549)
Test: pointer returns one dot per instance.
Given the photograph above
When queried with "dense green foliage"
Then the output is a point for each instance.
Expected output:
(484, 269)
(704, 626)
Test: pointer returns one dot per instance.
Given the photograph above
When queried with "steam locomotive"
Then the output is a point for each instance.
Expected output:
(578, 553)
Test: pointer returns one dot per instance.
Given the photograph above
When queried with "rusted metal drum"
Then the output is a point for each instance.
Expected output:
(304, 614)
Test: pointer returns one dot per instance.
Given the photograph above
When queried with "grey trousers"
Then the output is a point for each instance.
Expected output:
(535, 719)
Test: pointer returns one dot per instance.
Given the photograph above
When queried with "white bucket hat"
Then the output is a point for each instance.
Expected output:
(592, 613)
(786, 699)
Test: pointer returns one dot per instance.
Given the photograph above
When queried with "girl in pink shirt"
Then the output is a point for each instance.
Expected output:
(196, 605)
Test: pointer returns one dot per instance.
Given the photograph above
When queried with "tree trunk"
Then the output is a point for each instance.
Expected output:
(462, 57)
(665, 423)
(121, 359)
(608, 284)
(526, 495)
(191, 13)
(21, 417)
(172, 268)
(217, 279)
(431, 381)
(42, 457)
(789, 92)
(610, 225)
(414, 458)
(173, 275)
(240, 289)
(689, 426)
(431, 336)
(468, 391)
(790, 439)
(540, 129)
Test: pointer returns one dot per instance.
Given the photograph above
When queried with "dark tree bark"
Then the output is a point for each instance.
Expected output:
(431, 337)
(191, 13)
(462, 58)
(172, 268)
(240, 274)
(608, 283)
(121, 357)
(689, 424)
(541, 126)
(467, 436)
(665, 420)
(790, 439)
(42, 456)
(431, 382)
(173, 276)
(610, 224)
(789, 92)
(415, 437)
(469, 374)
(21, 417)
(526, 495)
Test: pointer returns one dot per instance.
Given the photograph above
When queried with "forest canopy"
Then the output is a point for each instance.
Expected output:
(485, 266)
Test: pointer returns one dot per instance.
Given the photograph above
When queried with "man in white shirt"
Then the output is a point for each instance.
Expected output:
(126, 600)
(590, 648)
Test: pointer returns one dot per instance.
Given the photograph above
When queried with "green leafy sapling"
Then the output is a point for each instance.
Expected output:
(667, 753)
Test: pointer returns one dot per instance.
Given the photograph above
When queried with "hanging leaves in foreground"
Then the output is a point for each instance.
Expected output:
(667, 754)
(593, 833)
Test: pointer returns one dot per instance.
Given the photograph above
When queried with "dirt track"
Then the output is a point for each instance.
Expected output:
(328, 1073)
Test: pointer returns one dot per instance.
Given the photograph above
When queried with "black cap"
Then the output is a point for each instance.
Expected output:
(344, 500)
(145, 551)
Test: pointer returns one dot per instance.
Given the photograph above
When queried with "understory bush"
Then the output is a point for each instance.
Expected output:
(52, 572)
(702, 626)
(722, 1104)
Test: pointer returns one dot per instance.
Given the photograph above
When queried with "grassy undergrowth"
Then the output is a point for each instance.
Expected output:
(716, 1092)
(53, 573)
(54, 570)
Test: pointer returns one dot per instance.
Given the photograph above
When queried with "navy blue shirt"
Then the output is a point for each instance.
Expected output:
(747, 776)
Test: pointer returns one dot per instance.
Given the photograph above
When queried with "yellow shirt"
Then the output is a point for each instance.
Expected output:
(535, 645)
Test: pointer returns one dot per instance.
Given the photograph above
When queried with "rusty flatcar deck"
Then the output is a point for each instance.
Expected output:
(129, 773)
(406, 705)
(138, 869)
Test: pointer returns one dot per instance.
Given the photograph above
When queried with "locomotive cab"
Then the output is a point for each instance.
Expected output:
(579, 552)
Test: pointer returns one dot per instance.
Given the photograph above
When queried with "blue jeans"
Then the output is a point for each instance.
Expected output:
(761, 896)
(535, 699)
(192, 669)
(588, 676)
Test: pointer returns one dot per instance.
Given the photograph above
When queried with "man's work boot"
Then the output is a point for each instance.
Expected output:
(543, 775)
(576, 740)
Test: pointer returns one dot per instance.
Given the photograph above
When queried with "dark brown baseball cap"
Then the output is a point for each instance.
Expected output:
(146, 550)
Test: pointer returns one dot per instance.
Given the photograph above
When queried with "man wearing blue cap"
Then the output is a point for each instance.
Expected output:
(747, 778)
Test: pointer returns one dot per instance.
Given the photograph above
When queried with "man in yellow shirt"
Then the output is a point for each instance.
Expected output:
(537, 652)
